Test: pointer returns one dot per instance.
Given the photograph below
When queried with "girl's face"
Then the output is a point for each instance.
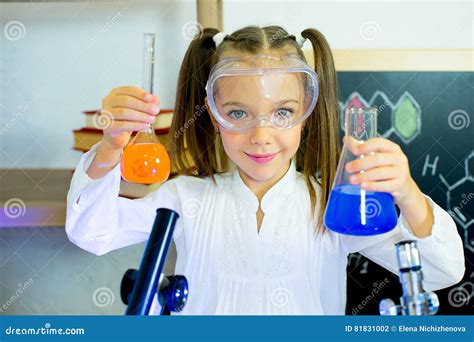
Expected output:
(261, 140)
(246, 98)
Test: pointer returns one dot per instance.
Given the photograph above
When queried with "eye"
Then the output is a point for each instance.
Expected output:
(237, 114)
(284, 112)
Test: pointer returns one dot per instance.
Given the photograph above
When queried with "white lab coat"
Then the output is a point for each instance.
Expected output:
(231, 268)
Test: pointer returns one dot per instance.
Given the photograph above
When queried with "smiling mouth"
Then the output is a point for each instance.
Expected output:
(261, 155)
(262, 158)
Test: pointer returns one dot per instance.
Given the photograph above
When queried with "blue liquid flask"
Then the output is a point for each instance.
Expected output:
(352, 210)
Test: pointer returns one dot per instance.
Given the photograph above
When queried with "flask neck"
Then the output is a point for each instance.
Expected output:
(361, 123)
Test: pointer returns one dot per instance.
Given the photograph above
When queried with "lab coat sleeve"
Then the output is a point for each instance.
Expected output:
(441, 253)
(99, 221)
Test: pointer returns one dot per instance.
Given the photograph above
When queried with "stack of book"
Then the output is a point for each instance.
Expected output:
(91, 134)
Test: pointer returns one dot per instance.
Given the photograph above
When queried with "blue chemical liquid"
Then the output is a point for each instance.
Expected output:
(344, 215)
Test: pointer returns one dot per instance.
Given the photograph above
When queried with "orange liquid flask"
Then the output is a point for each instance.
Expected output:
(145, 160)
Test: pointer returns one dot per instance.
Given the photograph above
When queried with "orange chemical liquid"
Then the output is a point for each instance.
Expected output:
(145, 163)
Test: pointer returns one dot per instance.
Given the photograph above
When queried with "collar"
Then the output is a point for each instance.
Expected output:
(273, 196)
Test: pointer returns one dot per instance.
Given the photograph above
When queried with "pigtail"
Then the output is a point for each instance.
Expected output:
(192, 133)
(320, 150)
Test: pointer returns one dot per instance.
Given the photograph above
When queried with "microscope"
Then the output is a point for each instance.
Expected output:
(414, 301)
(139, 287)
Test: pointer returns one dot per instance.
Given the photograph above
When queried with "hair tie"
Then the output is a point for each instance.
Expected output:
(219, 38)
(300, 39)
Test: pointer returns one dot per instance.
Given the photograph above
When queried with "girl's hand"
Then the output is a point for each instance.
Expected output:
(124, 110)
(385, 168)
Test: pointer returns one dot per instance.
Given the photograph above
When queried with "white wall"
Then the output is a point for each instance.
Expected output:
(364, 24)
(71, 56)
(73, 53)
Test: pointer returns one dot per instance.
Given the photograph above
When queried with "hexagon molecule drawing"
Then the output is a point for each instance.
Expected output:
(460, 201)
(405, 114)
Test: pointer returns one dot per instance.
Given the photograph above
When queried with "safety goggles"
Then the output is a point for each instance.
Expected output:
(244, 92)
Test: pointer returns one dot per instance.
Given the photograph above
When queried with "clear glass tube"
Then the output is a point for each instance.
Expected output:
(361, 123)
(145, 160)
(148, 61)
(148, 66)
(352, 210)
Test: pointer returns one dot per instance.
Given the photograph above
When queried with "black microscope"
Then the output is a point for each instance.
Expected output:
(139, 287)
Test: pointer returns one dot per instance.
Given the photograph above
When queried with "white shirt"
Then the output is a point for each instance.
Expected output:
(231, 268)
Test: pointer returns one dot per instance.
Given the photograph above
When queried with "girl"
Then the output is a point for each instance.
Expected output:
(250, 238)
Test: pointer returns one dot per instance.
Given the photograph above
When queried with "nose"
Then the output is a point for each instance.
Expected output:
(261, 135)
